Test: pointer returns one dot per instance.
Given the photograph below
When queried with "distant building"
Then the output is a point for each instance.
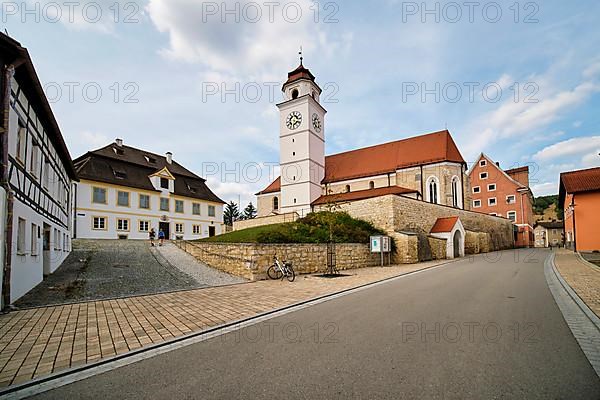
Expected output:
(579, 197)
(37, 175)
(124, 192)
(503, 194)
(548, 233)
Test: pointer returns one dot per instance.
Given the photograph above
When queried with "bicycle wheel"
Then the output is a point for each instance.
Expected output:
(274, 272)
(291, 275)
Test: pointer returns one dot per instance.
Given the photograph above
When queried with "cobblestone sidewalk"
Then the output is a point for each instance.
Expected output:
(41, 341)
(583, 278)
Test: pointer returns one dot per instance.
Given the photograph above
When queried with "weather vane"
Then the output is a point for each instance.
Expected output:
(300, 52)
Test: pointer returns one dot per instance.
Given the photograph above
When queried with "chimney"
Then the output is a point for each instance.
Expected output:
(169, 157)
(119, 142)
(497, 164)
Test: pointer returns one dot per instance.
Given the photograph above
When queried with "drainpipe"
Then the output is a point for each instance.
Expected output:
(462, 185)
(574, 225)
(7, 74)
(422, 188)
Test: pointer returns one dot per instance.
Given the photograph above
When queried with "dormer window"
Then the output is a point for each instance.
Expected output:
(164, 183)
(118, 152)
(150, 160)
(120, 175)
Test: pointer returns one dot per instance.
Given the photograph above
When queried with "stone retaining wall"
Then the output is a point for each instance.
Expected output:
(251, 260)
(267, 220)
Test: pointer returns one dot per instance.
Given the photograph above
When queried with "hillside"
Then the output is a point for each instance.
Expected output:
(545, 208)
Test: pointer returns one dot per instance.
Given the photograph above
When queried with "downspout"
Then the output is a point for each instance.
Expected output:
(7, 75)
(462, 185)
(574, 225)
(422, 187)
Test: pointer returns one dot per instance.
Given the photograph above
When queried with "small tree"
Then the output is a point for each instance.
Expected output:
(231, 213)
(249, 212)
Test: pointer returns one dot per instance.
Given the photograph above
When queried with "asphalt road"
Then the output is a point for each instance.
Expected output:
(469, 330)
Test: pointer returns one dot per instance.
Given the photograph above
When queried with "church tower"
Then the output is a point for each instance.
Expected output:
(301, 141)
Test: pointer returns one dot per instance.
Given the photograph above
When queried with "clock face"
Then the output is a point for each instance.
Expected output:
(316, 122)
(293, 120)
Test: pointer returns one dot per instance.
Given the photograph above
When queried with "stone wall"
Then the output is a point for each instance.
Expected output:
(268, 220)
(251, 260)
(400, 214)
(438, 248)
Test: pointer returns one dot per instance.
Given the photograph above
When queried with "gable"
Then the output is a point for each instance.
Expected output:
(163, 173)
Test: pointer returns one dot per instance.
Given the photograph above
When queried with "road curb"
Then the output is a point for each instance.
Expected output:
(589, 264)
(72, 375)
(583, 323)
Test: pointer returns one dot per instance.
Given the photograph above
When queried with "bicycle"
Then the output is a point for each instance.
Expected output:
(280, 270)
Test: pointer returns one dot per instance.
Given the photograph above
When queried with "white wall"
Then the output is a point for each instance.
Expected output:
(86, 210)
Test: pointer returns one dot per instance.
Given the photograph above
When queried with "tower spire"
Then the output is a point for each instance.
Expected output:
(300, 53)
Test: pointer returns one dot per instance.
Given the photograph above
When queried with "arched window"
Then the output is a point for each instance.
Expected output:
(456, 200)
(295, 94)
(432, 190)
(371, 185)
(275, 203)
(347, 188)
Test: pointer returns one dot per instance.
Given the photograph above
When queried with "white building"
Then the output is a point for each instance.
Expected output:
(124, 192)
(37, 178)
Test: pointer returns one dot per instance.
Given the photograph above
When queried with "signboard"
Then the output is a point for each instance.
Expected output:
(385, 244)
(376, 244)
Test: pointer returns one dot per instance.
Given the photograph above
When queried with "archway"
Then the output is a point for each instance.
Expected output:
(456, 243)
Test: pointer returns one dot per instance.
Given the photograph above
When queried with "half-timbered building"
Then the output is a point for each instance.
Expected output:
(37, 175)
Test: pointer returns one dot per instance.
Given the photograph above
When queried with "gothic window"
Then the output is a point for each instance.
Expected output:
(347, 188)
(432, 190)
(275, 203)
(455, 192)
(371, 185)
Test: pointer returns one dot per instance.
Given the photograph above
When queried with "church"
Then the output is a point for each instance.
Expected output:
(427, 167)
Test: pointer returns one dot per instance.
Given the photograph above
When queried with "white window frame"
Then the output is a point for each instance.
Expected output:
(482, 163)
(21, 236)
(475, 203)
(490, 201)
(492, 184)
(181, 202)
(481, 175)
(212, 211)
(99, 218)
(196, 207)
(514, 199)
(478, 189)
(432, 179)
(34, 240)
(141, 196)
(196, 229)
(512, 212)
(123, 224)
(456, 194)
(119, 192)
(179, 224)
(146, 227)
(160, 205)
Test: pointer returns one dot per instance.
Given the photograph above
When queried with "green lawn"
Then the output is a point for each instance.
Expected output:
(319, 227)
(248, 235)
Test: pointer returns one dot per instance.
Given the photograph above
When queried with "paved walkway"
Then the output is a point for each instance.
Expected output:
(582, 277)
(41, 341)
(188, 264)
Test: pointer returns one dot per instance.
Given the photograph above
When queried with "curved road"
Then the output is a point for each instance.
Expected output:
(477, 329)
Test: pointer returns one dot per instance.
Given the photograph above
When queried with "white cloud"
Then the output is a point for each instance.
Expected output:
(545, 189)
(574, 147)
(577, 124)
(202, 32)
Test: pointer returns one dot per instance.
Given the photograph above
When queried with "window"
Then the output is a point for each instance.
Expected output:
(432, 190)
(21, 139)
(120, 174)
(510, 199)
(476, 203)
(179, 206)
(178, 228)
(21, 237)
(46, 174)
(491, 187)
(347, 188)
(512, 215)
(122, 224)
(476, 189)
(492, 201)
(295, 94)
(144, 201)
(493, 214)
(483, 175)
(144, 226)
(150, 160)
(275, 203)
(34, 238)
(196, 208)
(371, 185)
(123, 198)
(455, 192)
(99, 223)
(33, 162)
(164, 204)
(99, 195)
(196, 229)
(211, 211)
(482, 163)
(164, 183)
(64, 248)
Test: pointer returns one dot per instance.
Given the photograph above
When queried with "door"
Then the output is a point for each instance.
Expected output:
(46, 251)
(164, 226)
(456, 244)
(211, 231)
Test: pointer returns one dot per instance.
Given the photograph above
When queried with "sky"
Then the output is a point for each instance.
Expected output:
(519, 81)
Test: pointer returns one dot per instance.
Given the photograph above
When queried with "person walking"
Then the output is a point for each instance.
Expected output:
(161, 237)
(152, 235)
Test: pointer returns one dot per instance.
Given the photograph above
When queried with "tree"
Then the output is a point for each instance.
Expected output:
(231, 213)
(249, 212)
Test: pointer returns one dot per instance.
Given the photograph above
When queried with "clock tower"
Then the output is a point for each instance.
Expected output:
(301, 141)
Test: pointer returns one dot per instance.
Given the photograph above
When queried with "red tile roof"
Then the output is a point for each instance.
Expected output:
(387, 158)
(581, 181)
(299, 73)
(517, 170)
(443, 225)
(362, 194)
(273, 187)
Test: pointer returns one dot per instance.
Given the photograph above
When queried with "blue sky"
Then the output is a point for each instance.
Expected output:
(372, 58)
